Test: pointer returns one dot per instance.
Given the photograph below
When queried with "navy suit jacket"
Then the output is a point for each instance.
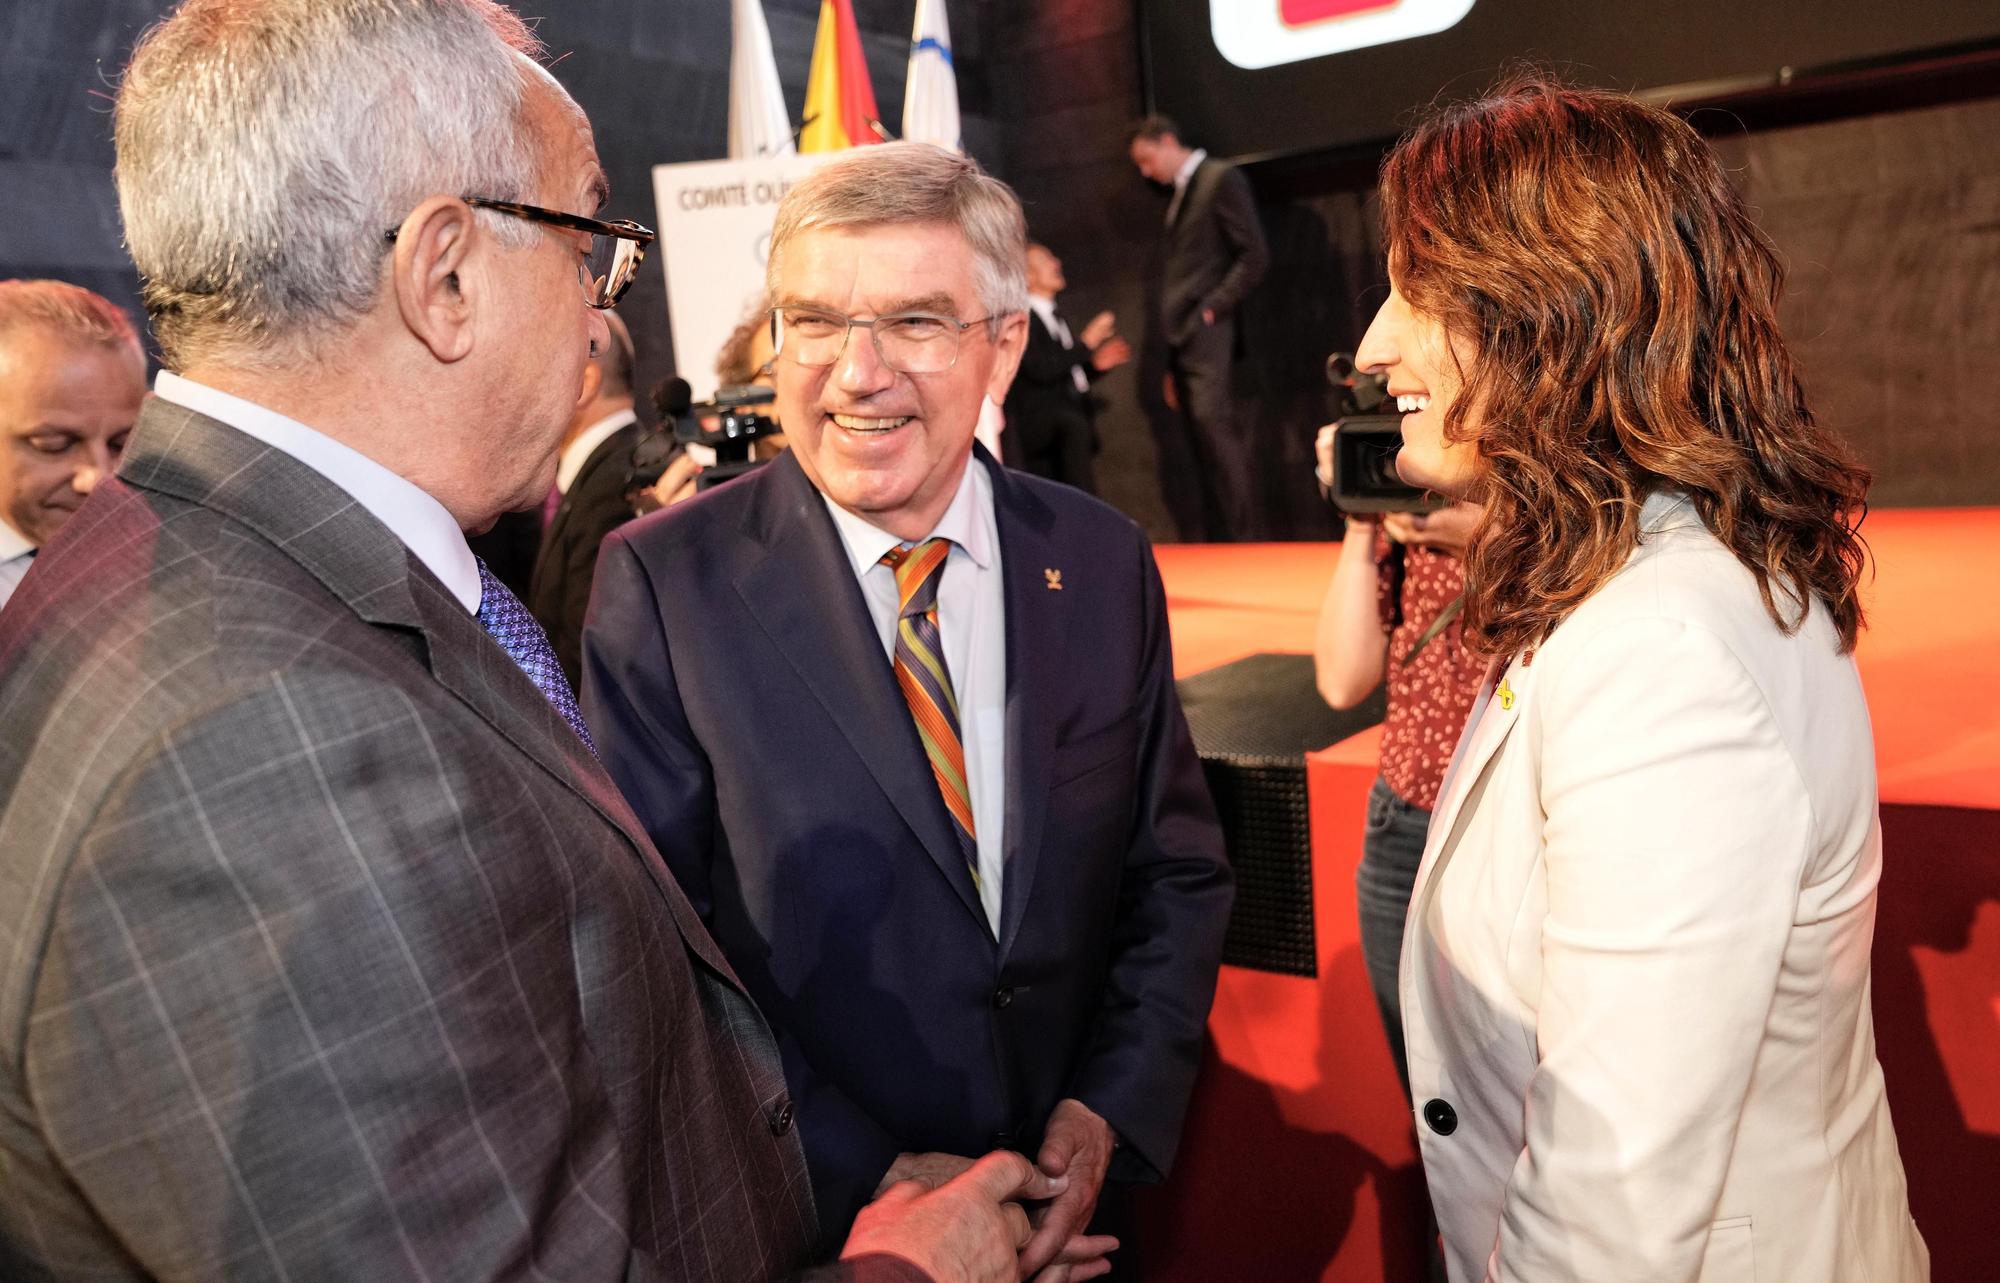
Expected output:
(742, 699)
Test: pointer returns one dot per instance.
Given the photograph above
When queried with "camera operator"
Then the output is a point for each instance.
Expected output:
(744, 361)
(1391, 613)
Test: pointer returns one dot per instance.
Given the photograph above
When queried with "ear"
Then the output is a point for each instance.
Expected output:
(593, 379)
(1007, 350)
(436, 295)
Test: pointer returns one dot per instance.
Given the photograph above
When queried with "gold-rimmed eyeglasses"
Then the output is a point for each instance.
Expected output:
(606, 270)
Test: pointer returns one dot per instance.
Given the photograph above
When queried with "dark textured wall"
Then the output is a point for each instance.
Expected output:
(1890, 228)
(1065, 83)
(1890, 223)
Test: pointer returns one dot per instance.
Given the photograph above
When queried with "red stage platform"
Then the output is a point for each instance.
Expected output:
(1299, 1162)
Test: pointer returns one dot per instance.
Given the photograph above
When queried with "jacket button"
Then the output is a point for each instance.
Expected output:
(1001, 1140)
(780, 1118)
(1003, 997)
(1441, 1117)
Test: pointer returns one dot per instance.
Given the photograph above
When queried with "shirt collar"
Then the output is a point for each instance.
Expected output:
(412, 515)
(12, 542)
(968, 523)
(1188, 166)
(1044, 308)
(578, 452)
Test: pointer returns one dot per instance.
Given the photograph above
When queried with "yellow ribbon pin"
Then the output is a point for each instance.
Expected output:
(1506, 696)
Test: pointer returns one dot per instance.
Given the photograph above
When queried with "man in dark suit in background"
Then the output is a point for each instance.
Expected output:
(1214, 254)
(327, 948)
(903, 723)
(1051, 429)
(593, 471)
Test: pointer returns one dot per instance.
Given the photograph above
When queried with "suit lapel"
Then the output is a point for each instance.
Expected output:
(546, 548)
(1037, 637)
(360, 561)
(578, 487)
(801, 588)
(473, 667)
(1500, 703)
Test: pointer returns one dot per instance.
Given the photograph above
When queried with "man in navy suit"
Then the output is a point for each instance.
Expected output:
(904, 725)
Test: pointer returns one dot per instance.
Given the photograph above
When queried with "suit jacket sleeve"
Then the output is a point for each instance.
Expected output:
(1167, 940)
(631, 700)
(1236, 217)
(1665, 927)
(286, 1024)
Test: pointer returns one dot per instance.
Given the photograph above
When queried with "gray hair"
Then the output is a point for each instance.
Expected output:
(68, 312)
(891, 183)
(265, 148)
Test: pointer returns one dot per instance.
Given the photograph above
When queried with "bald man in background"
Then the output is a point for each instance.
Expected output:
(72, 375)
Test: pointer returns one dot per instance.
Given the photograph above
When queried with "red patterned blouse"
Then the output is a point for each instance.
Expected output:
(1430, 696)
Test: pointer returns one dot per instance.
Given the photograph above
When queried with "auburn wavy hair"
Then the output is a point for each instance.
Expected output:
(1623, 312)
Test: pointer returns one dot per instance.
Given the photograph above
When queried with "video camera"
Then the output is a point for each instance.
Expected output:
(1365, 445)
(738, 425)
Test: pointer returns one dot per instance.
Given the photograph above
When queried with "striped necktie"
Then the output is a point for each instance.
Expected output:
(926, 683)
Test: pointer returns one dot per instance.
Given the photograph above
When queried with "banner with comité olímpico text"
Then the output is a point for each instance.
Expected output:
(715, 221)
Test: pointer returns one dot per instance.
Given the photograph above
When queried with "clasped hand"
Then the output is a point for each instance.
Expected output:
(1045, 1211)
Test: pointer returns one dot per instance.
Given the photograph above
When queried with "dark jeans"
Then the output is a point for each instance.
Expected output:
(1391, 849)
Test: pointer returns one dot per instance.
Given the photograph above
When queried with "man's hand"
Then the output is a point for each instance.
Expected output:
(968, 1230)
(1110, 354)
(1076, 1146)
(1449, 530)
(932, 1171)
(1101, 327)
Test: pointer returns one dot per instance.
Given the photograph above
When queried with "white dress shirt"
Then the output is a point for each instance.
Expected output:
(1045, 308)
(411, 514)
(16, 555)
(972, 623)
(578, 452)
(1181, 180)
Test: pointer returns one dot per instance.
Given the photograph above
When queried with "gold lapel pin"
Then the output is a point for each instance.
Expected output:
(1055, 579)
(1506, 695)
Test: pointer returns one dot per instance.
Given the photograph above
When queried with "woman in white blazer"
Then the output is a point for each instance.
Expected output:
(1635, 971)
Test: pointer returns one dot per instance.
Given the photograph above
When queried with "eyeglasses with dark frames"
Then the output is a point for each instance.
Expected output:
(607, 270)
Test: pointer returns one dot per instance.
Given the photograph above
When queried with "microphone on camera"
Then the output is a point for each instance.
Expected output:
(673, 398)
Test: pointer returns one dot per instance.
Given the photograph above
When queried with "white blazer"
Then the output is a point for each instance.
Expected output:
(1635, 974)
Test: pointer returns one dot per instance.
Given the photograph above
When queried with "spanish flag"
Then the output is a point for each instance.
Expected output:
(840, 103)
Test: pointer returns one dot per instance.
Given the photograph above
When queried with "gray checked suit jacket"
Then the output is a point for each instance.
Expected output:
(326, 950)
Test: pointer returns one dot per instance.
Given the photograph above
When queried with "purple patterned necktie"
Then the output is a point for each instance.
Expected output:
(508, 622)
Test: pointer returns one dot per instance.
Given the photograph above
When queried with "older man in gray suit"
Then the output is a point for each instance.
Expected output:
(327, 949)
